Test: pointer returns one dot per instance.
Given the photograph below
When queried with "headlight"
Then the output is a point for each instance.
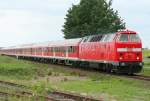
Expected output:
(120, 58)
(138, 58)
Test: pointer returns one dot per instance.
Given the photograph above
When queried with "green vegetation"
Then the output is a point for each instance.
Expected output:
(91, 17)
(24, 73)
(43, 78)
(19, 69)
(146, 53)
(146, 69)
(121, 90)
(146, 60)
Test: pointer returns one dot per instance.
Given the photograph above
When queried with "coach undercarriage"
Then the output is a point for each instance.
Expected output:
(120, 67)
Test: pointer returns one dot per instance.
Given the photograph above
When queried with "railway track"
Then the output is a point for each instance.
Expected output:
(55, 96)
(140, 77)
(12, 84)
(7, 94)
(135, 76)
(65, 96)
(52, 96)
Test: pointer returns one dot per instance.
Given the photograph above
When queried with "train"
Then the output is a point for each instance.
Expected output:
(119, 52)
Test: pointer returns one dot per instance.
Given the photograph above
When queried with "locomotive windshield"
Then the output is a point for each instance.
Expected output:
(134, 38)
(129, 38)
(123, 38)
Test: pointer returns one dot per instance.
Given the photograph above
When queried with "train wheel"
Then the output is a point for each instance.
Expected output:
(100, 66)
(104, 67)
(54, 61)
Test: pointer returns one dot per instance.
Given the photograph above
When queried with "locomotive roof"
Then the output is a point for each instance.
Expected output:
(126, 32)
(68, 42)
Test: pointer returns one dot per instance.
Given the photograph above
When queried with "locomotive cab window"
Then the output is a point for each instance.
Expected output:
(128, 38)
(123, 38)
(134, 38)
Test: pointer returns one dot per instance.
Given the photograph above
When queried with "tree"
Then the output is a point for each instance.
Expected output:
(91, 17)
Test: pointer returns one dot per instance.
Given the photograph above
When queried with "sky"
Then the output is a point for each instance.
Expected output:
(33, 21)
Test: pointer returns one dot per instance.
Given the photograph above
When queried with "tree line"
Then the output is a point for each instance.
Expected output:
(91, 17)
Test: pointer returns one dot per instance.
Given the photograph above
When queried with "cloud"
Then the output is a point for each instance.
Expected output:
(23, 26)
(27, 21)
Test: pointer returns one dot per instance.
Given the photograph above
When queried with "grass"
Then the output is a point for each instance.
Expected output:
(109, 87)
(19, 69)
(43, 78)
(146, 53)
(24, 72)
(146, 69)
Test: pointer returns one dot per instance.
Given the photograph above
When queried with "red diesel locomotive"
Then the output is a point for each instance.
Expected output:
(119, 52)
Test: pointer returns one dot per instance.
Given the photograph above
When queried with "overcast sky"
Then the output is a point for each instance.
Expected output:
(30, 21)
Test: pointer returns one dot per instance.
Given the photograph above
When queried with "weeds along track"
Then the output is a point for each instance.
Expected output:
(21, 92)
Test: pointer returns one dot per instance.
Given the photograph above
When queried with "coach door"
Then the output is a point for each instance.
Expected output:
(53, 50)
(67, 49)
